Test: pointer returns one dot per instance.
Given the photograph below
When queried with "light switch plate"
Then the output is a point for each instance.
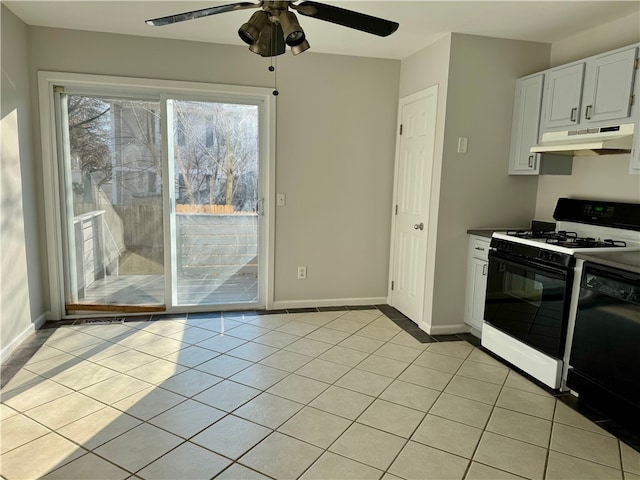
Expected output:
(462, 144)
(281, 199)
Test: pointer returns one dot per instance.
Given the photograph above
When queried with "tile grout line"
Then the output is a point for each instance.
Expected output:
(289, 373)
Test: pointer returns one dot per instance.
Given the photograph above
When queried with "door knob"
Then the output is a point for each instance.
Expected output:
(418, 226)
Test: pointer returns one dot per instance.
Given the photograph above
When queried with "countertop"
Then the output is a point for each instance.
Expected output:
(628, 261)
(487, 232)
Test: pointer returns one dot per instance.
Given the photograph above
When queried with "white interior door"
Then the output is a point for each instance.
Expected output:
(414, 169)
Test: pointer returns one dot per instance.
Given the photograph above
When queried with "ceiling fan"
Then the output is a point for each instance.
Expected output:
(274, 26)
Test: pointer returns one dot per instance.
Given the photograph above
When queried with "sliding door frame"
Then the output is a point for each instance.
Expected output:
(161, 90)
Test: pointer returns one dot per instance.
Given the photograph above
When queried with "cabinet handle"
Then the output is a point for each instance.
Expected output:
(480, 248)
(587, 112)
(530, 161)
(574, 112)
(484, 269)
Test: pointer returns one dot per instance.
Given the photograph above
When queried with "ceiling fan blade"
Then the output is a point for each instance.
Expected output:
(205, 12)
(347, 18)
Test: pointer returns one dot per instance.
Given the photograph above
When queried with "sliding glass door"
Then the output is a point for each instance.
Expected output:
(112, 171)
(215, 198)
(161, 201)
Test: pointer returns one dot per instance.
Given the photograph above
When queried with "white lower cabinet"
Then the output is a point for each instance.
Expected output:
(477, 268)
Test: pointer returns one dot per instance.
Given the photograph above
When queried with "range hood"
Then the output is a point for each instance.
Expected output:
(609, 140)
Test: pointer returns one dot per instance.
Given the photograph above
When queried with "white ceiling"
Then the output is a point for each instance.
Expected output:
(421, 22)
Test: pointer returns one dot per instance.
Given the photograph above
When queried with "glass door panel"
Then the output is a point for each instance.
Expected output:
(111, 149)
(214, 158)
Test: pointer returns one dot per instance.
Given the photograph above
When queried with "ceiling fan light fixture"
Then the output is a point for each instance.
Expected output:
(270, 42)
(250, 32)
(293, 33)
(263, 45)
(273, 26)
(302, 47)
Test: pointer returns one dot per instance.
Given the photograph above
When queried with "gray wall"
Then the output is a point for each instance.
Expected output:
(476, 78)
(475, 189)
(428, 67)
(335, 146)
(603, 177)
(21, 299)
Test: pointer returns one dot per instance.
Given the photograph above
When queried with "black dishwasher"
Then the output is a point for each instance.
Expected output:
(605, 353)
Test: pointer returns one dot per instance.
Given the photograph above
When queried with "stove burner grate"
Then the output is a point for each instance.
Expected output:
(586, 242)
(551, 237)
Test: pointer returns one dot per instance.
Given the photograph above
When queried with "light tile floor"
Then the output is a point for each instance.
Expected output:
(322, 395)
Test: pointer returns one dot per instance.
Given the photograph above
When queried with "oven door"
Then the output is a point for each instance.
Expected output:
(529, 301)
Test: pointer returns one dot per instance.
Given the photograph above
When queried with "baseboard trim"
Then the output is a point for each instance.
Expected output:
(447, 329)
(15, 343)
(328, 302)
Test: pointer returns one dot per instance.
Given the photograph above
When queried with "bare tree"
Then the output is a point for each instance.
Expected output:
(216, 148)
(88, 121)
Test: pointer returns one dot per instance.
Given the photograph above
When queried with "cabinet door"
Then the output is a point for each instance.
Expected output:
(634, 164)
(525, 126)
(562, 94)
(608, 86)
(476, 292)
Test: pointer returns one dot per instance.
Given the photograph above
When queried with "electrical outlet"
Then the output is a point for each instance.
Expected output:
(281, 200)
(302, 273)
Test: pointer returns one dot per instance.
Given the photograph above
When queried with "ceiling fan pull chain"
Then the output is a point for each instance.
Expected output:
(275, 78)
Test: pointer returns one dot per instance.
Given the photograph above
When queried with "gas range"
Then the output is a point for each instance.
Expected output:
(570, 238)
(533, 282)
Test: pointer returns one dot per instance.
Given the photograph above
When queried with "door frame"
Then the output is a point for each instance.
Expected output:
(432, 218)
(52, 189)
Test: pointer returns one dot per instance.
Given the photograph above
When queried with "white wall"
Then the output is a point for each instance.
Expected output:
(21, 301)
(602, 177)
(615, 34)
(336, 135)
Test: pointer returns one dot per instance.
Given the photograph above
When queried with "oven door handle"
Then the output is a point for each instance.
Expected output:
(528, 265)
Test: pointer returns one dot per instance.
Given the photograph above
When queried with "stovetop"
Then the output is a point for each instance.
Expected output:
(582, 225)
(570, 238)
(566, 239)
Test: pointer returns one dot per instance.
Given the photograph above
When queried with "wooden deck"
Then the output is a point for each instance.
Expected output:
(149, 290)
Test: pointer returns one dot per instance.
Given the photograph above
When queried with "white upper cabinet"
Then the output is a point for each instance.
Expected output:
(608, 86)
(593, 92)
(525, 129)
(634, 164)
(562, 95)
(525, 126)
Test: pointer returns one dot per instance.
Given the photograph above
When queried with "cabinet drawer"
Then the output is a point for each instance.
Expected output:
(479, 247)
